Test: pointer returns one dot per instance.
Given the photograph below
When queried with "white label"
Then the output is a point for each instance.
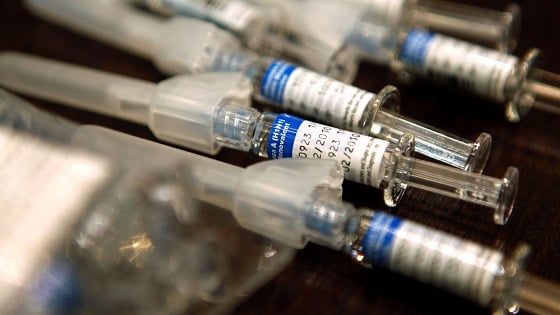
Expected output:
(457, 63)
(463, 267)
(315, 95)
(360, 156)
(43, 190)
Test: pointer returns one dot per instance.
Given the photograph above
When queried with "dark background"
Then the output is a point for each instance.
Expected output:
(322, 281)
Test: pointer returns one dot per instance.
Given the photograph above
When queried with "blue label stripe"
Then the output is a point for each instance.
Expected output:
(275, 80)
(415, 47)
(282, 136)
(379, 238)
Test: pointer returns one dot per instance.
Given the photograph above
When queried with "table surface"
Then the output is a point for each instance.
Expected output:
(322, 281)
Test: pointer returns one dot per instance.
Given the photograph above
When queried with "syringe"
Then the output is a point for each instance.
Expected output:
(489, 27)
(484, 72)
(199, 112)
(258, 27)
(279, 83)
(311, 210)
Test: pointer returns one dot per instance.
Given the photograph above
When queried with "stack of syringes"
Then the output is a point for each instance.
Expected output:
(273, 78)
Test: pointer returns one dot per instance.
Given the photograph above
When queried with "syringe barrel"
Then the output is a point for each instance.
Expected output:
(106, 20)
(88, 89)
(466, 268)
(436, 144)
(459, 64)
(496, 193)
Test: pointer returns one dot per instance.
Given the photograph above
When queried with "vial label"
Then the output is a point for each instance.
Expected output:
(360, 156)
(44, 189)
(463, 267)
(303, 91)
(457, 63)
(379, 239)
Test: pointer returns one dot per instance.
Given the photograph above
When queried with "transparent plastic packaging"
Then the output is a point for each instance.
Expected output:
(185, 111)
(43, 188)
(143, 242)
(307, 210)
